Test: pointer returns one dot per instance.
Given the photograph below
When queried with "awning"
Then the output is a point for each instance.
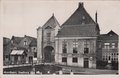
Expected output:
(17, 52)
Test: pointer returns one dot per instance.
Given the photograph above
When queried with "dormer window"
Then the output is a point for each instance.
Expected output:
(12, 41)
(110, 34)
(25, 43)
(48, 27)
(83, 19)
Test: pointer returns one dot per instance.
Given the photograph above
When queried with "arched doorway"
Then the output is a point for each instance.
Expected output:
(49, 54)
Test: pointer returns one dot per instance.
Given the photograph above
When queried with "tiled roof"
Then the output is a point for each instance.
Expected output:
(109, 36)
(79, 16)
(87, 30)
(52, 22)
(80, 24)
(16, 40)
(33, 41)
(6, 41)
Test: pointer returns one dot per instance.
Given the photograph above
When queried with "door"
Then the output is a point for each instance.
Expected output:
(15, 59)
(49, 54)
(86, 63)
(30, 59)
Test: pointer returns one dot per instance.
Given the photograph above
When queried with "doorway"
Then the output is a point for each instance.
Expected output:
(49, 54)
(86, 63)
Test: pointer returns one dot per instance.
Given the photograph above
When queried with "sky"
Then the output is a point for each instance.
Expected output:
(23, 17)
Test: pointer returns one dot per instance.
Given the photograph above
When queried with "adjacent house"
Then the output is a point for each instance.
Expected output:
(6, 50)
(21, 50)
(108, 47)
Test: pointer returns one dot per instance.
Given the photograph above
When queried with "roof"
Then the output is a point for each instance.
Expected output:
(52, 22)
(80, 24)
(33, 40)
(6, 41)
(87, 30)
(79, 16)
(109, 36)
(16, 40)
(17, 52)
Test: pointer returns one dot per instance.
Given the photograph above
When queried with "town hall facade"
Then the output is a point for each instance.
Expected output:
(74, 43)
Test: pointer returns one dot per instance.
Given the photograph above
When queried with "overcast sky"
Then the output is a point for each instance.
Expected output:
(23, 17)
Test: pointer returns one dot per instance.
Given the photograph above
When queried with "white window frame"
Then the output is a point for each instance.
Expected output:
(106, 45)
(113, 45)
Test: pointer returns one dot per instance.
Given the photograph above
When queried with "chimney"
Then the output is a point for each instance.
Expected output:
(80, 4)
(96, 17)
(24, 35)
(53, 14)
(13, 37)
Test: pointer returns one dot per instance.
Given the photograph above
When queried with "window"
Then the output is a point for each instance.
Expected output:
(48, 37)
(112, 54)
(25, 43)
(64, 46)
(86, 59)
(117, 53)
(74, 60)
(86, 50)
(103, 57)
(106, 58)
(75, 50)
(6, 56)
(109, 58)
(48, 27)
(35, 54)
(106, 45)
(75, 46)
(114, 59)
(113, 45)
(48, 34)
(83, 20)
(64, 59)
(100, 45)
(12, 41)
(86, 43)
(34, 49)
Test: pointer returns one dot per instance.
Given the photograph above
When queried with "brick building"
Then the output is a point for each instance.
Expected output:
(108, 47)
(19, 50)
(6, 50)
